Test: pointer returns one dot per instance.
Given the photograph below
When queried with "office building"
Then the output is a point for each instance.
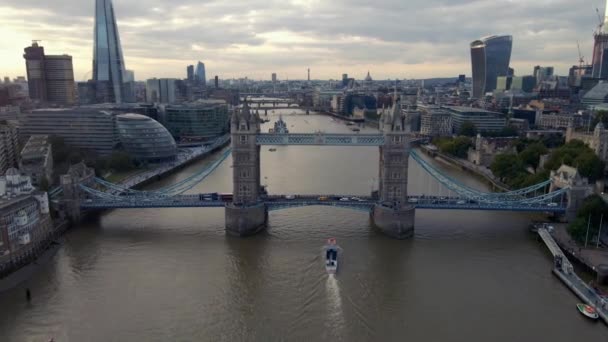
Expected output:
(504, 83)
(490, 59)
(596, 96)
(129, 76)
(25, 221)
(9, 146)
(523, 83)
(145, 139)
(200, 75)
(484, 120)
(50, 77)
(108, 61)
(274, 77)
(600, 50)
(88, 129)
(161, 90)
(542, 74)
(435, 121)
(190, 73)
(197, 121)
(37, 160)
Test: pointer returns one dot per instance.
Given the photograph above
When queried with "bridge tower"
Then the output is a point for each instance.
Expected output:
(73, 195)
(246, 215)
(393, 215)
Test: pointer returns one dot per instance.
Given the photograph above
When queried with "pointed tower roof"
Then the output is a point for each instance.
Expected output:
(368, 77)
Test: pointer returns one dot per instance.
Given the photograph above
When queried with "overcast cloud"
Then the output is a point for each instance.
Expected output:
(390, 38)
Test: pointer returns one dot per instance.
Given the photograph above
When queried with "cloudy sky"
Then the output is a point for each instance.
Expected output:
(237, 38)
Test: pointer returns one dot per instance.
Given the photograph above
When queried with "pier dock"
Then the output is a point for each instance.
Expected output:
(564, 270)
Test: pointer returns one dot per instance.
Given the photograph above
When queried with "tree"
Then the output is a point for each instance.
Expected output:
(600, 116)
(120, 161)
(507, 166)
(576, 154)
(457, 147)
(468, 129)
(593, 208)
(530, 156)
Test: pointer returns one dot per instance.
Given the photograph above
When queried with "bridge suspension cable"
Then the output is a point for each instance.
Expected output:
(454, 185)
(173, 190)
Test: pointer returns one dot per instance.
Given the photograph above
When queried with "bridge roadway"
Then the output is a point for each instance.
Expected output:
(278, 202)
(320, 138)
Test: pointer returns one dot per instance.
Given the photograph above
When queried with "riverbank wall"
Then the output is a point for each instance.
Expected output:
(469, 167)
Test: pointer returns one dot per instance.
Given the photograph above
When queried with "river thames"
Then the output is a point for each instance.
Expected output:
(173, 274)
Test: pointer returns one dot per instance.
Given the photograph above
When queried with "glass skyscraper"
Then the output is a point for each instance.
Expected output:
(108, 62)
(199, 74)
(490, 58)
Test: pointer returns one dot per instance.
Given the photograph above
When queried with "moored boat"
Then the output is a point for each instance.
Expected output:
(331, 256)
(587, 311)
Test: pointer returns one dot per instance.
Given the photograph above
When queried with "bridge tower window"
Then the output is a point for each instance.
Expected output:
(244, 139)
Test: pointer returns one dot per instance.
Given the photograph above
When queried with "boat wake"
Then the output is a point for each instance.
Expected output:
(335, 319)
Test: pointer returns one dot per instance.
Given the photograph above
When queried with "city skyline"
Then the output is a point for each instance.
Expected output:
(287, 38)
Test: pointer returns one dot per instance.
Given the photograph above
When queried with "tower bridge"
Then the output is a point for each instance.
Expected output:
(391, 209)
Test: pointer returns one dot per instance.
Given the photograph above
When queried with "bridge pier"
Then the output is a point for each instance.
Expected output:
(246, 221)
(396, 223)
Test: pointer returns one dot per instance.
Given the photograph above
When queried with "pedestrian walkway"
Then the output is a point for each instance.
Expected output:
(564, 270)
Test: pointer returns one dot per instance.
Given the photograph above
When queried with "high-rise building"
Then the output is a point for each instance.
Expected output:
(34, 63)
(274, 77)
(160, 90)
(108, 61)
(199, 74)
(490, 57)
(600, 50)
(50, 77)
(9, 146)
(129, 76)
(190, 72)
(543, 73)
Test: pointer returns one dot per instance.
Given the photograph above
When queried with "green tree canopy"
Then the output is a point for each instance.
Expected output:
(507, 165)
(468, 129)
(530, 156)
(577, 154)
(120, 161)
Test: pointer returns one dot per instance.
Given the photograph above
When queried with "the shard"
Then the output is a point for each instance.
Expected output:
(108, 62)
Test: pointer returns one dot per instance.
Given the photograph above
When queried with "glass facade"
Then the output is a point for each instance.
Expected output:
(199, 74)
(484, 121)
(198, 121)
(145, 139)
(108, 61)
(490, 58)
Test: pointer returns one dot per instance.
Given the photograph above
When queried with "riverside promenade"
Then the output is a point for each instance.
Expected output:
(564, 270)
(184, 157)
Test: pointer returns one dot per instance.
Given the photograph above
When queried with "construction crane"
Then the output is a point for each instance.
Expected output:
(601, 21)
(581, 59)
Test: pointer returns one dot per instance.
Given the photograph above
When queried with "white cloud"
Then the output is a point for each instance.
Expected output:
(391, 38)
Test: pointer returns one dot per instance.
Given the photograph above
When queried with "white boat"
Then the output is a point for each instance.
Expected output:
(331, 256)
(587, 311)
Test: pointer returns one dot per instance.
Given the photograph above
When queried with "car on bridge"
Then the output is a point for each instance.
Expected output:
(290, 197)
(357, 199)
(344, 199)
(323, 198)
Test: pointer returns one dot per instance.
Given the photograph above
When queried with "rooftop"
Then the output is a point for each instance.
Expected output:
(37, 146)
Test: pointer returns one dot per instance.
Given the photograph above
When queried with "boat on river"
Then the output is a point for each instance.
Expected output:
(587, 311)
(331, 256)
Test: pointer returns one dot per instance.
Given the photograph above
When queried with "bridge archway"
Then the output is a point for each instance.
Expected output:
(392, 214)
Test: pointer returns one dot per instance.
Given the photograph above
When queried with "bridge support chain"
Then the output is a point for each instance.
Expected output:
(396, 223)
(246, 221)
